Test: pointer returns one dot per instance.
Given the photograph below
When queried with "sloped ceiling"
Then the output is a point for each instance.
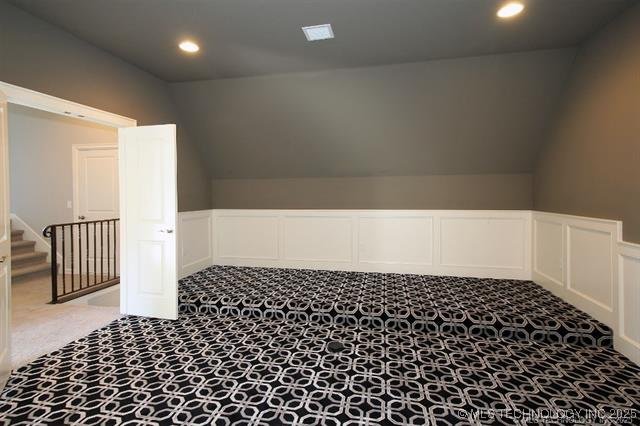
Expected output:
(257, 37)
(484, 114)
(407, 87)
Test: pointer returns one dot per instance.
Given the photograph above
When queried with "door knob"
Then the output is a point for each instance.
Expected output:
(81, 217)
(3, 258)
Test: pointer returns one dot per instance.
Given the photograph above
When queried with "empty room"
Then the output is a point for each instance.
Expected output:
(319, 212)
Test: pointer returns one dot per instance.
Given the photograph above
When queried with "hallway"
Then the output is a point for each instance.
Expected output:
(38, 327)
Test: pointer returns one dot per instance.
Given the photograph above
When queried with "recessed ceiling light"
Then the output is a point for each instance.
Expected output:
(318, 32)
(510, 10)
(189, 46)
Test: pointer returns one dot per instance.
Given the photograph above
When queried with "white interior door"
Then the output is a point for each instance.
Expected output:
(95, 182)
(5, 249)
(96, 197)
(148, 196)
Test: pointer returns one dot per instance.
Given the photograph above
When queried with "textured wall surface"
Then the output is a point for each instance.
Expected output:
(399, 192)
(41, 57)
(591, 164)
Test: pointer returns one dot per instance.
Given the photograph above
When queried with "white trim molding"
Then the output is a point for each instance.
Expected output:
(195, 241)
(627, 335)
(475, 243)
(30, 98)
(585, 262)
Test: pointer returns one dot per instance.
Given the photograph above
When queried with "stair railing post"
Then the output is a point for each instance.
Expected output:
(54, 265)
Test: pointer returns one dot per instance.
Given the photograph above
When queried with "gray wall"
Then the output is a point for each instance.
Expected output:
(446, 134)
(398, 192)
(461, 116)
(41, 57)
(41, 164)
(591, 165)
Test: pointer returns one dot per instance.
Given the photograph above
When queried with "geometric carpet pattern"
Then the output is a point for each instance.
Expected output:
(468, 306)
(224, 370)
(256, 346)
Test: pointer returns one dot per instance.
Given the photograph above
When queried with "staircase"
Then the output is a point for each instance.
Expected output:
(26, 262)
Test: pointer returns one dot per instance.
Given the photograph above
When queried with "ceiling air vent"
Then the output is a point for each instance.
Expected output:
(318, 32)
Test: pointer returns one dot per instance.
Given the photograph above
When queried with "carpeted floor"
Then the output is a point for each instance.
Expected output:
(481, 307)
(38, 328)
(223, 368)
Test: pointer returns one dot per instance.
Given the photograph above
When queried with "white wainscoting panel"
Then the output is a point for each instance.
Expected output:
(590, 265)
(195, 241)
(627, 337)
(548, 259)
(483, 242)
(575, 258)
(314, 239)
(494, 243)
(246, 236)
(403, 240)
(585, 262)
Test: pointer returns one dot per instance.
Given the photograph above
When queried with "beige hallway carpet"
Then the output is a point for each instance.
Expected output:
(39, 328)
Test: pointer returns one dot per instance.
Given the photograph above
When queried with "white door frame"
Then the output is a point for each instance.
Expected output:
(75, 151)
(30, 98)
(5, 252)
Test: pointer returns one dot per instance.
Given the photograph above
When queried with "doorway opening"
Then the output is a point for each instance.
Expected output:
(64, 189)
(146, 237)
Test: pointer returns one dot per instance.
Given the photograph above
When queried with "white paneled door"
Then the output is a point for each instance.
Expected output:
(96, 197)
(5, 249)
(95, 182)
(148, 196)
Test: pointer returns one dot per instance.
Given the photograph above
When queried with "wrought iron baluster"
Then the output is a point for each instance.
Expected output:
(64, 261)
(86, 241)
(108, 253)
(85, 283)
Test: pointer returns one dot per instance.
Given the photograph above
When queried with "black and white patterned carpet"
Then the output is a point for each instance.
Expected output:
(221, 368)
(480, 307)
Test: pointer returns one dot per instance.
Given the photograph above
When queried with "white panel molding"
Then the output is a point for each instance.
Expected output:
(195, 241)
(590, 267)
(575, 258)
(627, 336)
(247, 237)
(548, 260)
(403, 241)
(585, 262)
(476, 241)
(395, 240)
(317, 239)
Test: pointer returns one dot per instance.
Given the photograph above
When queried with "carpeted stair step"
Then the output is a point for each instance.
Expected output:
(28, 259)
(22, 246)
(39, 269)
(17, 234)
